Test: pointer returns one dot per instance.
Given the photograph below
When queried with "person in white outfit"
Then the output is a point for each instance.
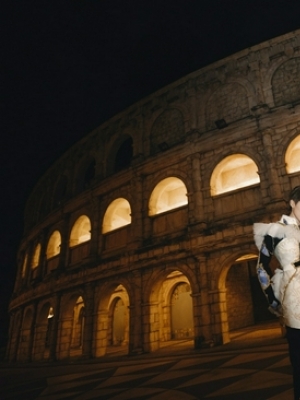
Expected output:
(282, 288)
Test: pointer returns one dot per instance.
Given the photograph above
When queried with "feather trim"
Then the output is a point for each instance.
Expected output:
(276, 230)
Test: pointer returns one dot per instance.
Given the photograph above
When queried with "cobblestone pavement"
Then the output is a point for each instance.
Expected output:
(245, 369)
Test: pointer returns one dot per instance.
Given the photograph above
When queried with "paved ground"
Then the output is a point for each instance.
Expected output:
(254, 366)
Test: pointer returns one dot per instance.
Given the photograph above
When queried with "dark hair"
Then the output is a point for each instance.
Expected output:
(295, 194)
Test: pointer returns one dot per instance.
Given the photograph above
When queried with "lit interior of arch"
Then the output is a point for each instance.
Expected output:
(234, 172)
(81, 231)
(53, 248)
(168, 194)
(24, 266)
(246, 257)
(118, 214)
(36, 256)
(292, 156)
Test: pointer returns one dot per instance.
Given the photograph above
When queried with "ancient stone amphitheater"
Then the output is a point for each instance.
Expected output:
(141, 233)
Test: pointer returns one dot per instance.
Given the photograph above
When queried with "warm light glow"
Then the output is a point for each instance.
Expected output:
(292, 156)
(118, 214)
(36, 256)
(51, 313)
(247, 257)
(170, 193)
(24, 266)
(233, 172)
(81, 231)
(54, 243)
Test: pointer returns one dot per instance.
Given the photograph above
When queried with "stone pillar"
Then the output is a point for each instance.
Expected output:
(272, 172)
(137, 222)
(135, 316)
(54, 327)
(95, 227)
(43, 256)
(32, 332)
(64, 249)
(201, 303)
(101, 333)
(219, 317)
(87, 345)
(197, 193)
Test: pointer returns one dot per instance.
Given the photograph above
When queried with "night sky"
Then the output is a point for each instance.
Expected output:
(68, 66)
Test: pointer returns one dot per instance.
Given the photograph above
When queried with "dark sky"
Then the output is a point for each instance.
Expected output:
(70, 65)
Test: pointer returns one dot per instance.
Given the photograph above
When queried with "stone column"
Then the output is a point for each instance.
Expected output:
(196, 178)
(64, 248)
(135, 320)
(32, 332)
(87, 346)
(219, 315)
(272, 172)
(137, 222)
(201, 303)
(95, 227)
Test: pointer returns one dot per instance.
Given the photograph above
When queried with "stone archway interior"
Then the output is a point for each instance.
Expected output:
(182, 326)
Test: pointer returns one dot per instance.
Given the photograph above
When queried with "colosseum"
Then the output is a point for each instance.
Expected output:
(141, 233)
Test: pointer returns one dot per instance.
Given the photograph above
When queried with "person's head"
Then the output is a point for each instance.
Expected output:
(295, 203)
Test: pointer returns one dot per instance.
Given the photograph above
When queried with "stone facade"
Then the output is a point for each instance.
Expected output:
(120, 287)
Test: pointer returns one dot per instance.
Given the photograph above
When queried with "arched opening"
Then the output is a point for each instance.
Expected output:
(77, 327)
(292, 156)
(53, 247)
(26, 333)
(243, 305)
(233, 172)
(167, 130)
(80, 240)
(168, 194)
(124, 155)
(71, 329)
(53, 251)
(286, 82)
(117, 215)
(81, 231)
(36, 256)
(113, 322)
(182, 326)
(118, 322)
(229, 102)
(170, 312)
(35, 261)
(60, 191)
(43, 332)
(86, 174)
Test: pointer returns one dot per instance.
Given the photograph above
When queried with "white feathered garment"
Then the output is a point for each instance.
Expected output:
(285, 282)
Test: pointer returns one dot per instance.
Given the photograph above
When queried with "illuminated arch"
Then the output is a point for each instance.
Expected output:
(168, 194)
(118, 214)
(292, 156)
(36, 256)
(24, 265)
(233, 172)
(54, 243)
(81, 231)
